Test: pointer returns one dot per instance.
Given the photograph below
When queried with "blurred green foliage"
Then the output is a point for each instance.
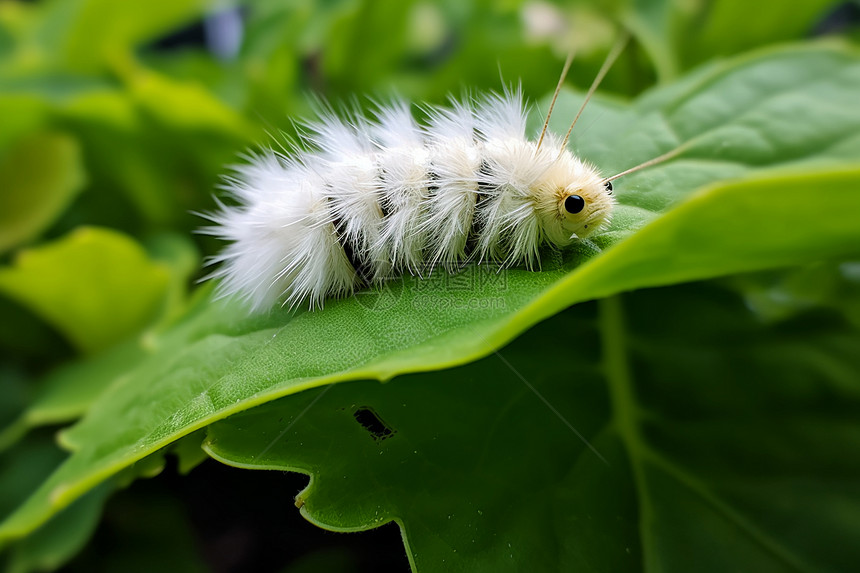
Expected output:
(115, 131)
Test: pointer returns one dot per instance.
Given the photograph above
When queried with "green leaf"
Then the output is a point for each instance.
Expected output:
(182, 260)
(430, 48)
(67, 392)
(13, 426)
(725, 28)
(186, 106)
(728, 444)
(41, 175)
(144, 530)
(23, 467)
(96, 286)
(778, 126)
(679, 35)
(22, 116)
(160, 142)
(62, 537)
(467, 461)
(88, 35)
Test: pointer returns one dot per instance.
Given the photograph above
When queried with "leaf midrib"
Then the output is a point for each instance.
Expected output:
(625, 416)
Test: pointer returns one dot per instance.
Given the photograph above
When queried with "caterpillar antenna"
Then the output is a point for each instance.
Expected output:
(659, 159)
(555, 96)
(607, 63)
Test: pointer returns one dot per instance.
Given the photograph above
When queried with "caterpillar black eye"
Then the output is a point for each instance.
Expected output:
(608, 186)
(574, 204)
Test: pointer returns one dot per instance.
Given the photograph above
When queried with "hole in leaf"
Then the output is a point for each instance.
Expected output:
(371, 422)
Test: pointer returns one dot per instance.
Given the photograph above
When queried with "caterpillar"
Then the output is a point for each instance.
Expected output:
(358, 201)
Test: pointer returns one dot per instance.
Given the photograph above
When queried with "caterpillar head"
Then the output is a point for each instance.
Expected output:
(583, 209)
(574, 201)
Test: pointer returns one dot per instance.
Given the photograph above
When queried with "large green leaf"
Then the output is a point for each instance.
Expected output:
(55, 542)
(96, 286)
(686, 436)
(723, 27)
(21, 469)
(88, 35)
(41, 175)
(781, 126)
(160, 142)
(24, 466)
(679, 35)
(144, 530)
(430, 48)
(67, 392)
(61, 538)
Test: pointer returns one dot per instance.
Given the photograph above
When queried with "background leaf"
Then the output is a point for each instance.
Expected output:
(66, 392)
(81, 285)
(87, 35)
(682, 35)
(41, 175)
(61, 538)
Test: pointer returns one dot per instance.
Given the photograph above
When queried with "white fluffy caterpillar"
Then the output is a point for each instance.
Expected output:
(363, 200)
